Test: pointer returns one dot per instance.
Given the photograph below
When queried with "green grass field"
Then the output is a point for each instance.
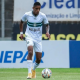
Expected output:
(57, 74)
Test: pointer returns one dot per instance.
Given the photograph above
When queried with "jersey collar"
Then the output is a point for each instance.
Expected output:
(34, 15)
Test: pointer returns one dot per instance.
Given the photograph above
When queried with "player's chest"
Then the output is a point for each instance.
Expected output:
(34, 19)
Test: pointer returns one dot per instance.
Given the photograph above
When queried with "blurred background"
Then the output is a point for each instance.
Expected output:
(64, 21)
(64, 18)
(6, 19)
(61, 53)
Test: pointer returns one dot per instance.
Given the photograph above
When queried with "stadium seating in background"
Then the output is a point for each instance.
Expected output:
(58, 31)
(8, 24)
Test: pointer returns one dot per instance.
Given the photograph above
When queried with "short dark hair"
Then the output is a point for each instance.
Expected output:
(37, 4)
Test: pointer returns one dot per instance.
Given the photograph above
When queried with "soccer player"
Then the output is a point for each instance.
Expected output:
(33, 36)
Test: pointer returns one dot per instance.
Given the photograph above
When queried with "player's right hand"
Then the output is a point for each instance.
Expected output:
(21, 36)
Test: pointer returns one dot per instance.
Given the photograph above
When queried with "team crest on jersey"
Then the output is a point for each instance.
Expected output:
(35, 24)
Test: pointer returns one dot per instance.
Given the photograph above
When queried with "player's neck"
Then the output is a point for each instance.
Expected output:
(34, 14)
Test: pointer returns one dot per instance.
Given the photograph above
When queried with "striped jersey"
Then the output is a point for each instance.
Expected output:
(34, 24)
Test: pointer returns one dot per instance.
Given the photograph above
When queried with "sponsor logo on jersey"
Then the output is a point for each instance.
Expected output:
(31, 29)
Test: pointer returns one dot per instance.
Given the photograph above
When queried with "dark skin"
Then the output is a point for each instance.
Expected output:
(36, 10)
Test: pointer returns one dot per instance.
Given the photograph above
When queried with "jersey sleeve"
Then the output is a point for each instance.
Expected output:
(45, 20)
(24, 17)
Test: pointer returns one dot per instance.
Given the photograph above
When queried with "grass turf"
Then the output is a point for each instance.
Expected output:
(57, 74)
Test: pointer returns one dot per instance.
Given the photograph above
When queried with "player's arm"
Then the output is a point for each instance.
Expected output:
(45, 20)
(24, 18)
(21, 29)
(47, 30)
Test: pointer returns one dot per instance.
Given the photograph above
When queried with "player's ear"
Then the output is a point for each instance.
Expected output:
(32, 7)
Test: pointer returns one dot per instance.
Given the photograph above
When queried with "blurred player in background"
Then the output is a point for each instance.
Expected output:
(33, 36)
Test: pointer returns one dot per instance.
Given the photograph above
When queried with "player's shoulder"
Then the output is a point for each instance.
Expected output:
(28, 13)
(42, 14)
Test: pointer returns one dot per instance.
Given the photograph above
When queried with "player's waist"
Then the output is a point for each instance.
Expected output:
(33, 36)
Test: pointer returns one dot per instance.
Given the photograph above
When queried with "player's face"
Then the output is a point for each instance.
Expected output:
(36, 9)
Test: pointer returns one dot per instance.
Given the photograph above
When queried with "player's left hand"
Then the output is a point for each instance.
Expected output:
(48, 35)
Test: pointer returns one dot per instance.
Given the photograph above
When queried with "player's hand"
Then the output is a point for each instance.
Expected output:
(21, 36)
(48, 35)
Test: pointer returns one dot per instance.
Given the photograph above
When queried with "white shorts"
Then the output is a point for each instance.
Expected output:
(37, 45)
